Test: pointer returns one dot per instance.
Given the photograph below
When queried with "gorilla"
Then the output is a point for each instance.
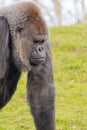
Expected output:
(25, 45)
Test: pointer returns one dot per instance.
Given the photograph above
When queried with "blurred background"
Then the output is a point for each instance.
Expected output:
(60, 12)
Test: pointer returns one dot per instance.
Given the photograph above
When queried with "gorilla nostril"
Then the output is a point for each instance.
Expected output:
(39, 50)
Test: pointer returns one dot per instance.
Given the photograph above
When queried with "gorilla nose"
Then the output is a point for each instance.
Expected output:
(39, 49)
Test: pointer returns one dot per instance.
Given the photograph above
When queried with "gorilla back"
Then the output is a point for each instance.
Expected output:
(24, 45)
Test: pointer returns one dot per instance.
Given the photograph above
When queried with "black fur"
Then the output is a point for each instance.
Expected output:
(24, 44)
(9, 72)
(41, 96)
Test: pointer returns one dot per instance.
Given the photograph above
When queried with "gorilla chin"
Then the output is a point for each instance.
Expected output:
(37, 61)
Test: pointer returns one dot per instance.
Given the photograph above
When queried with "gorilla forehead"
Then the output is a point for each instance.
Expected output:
(26, 10)
(36, 26)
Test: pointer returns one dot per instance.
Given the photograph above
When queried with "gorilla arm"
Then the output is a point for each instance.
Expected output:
(9, 74)
(41, 95)
(8, 85)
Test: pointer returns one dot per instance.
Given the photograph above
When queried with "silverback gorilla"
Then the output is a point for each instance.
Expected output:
(24, 45)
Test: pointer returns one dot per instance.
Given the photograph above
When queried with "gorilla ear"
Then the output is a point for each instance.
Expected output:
(4, 50)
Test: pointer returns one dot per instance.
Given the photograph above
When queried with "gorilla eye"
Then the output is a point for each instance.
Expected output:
(19, 29)
(39, 41)
(42, 41)
(36, 41)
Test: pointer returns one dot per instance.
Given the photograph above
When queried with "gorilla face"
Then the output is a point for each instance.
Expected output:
(38, 53)
(31, 43)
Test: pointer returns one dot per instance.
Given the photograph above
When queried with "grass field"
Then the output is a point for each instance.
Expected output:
(69, 49)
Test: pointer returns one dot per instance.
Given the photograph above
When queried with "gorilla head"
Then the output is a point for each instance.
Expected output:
(24, 45)
(32, 41)
(29, 34)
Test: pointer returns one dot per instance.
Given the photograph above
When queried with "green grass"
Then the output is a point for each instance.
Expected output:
(69, 50)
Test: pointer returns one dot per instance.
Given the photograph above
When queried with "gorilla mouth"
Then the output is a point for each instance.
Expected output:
(39, 58)
(36, 61)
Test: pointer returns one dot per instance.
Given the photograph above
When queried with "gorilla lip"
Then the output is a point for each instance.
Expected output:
(36, 61)
(39, 58)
